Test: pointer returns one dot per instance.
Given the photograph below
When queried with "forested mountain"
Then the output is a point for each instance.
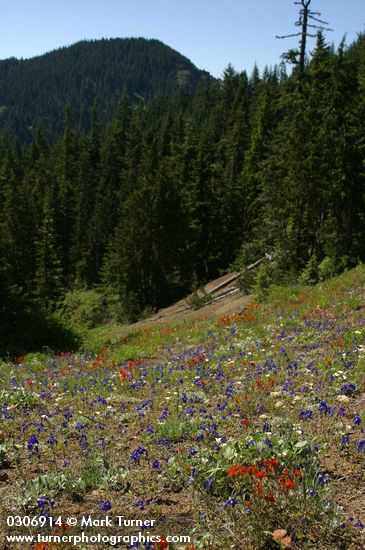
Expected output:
(173, 191)
(37, 91)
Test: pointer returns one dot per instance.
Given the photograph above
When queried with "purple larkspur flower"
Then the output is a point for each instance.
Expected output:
(266, 427)
(359, 524)
(32, 444)
(44, 502)
(308, 413)
(163, 441)
(322, 479)
(137, 453)
(106, 506)
(230, 502)
(324, 408)
(164, 414)
(361, 446)
(67, 415)
(82, 439)
(209, 484)
(52, 439)
(357, 419)
(155, 465)
(345, 439)
(348, 389)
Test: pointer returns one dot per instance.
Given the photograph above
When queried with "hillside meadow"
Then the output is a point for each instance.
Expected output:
(244, 431)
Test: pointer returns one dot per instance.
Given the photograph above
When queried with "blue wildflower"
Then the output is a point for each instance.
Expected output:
(359, 524)
(348, 389)
(33, 444)
(266, 427)
(208, 484)
(322, 479)
(324, 408)
(45, 502)
(106, 506)
(164, 414)
(52, 439)
(230, 502)
(137, 453)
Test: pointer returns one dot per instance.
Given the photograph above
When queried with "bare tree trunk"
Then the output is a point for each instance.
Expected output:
(303, 40)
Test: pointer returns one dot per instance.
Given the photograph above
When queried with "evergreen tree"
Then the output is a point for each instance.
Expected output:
(67, 177)
(48, 275)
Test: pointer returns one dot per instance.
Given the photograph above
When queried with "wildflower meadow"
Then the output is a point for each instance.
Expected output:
(245, 431)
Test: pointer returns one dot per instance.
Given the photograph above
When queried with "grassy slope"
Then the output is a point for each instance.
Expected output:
(230, 428)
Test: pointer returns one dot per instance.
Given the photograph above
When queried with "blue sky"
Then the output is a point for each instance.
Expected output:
(212, 33)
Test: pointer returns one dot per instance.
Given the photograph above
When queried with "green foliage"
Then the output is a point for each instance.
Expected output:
(198, 298)
(96, 474)
(176, 430)
(309, 275)
(51, 484)
(327, 268)
(21, 397)
(84, 308)
(24, 328)
(47, 279)
(262, 283)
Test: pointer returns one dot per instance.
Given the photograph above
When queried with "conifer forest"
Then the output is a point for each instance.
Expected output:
(148, 195)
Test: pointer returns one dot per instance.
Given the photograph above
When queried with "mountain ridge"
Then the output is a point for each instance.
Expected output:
(36, 91)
